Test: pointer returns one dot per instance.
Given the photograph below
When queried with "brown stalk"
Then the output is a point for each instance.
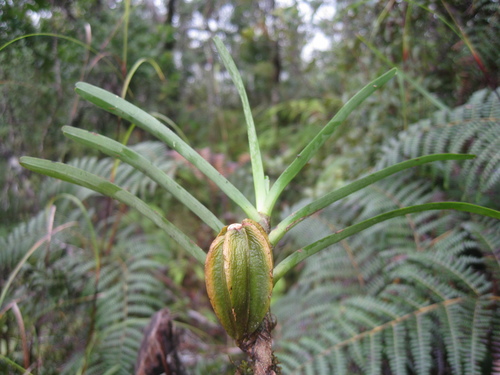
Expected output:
(22, 331)
(259, 349)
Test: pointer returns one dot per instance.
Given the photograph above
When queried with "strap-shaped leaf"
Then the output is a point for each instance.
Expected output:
(253, 143)
(83, 178)
(299, 255)
(129, 156)
(312, 147)
(296, 217)
(120, 107)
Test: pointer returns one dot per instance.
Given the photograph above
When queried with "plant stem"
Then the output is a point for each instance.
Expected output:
(259, 348)
(126, 18)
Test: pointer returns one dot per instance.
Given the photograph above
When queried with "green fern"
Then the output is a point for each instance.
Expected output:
(471, 128)
(129, 297)
(412, 294)
(20, 239)
(59, 279)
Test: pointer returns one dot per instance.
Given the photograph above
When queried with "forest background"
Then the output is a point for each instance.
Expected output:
(300, 62)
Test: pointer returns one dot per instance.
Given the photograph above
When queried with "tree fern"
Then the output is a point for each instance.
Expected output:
(495, 344)
(59, 279)
(471, 128)
(129, 297)
(413, 295)
(20, 239)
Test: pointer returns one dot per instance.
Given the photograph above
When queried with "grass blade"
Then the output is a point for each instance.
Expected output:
(253, 143)
(129, 156)
(299, 255)
(120, 107)
(172, 124)
(296, 217)
(135, 67)
(18, 367)
(67, 38)
(432, 98)
(308, 152)
(83, 178)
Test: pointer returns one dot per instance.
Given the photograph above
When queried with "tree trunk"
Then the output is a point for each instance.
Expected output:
(170, 42)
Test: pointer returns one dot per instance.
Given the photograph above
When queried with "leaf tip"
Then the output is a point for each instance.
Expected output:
(26, 162)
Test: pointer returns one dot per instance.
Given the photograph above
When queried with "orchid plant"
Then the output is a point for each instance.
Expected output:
(267, 193)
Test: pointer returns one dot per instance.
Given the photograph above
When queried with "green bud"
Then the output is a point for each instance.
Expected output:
(239, 277)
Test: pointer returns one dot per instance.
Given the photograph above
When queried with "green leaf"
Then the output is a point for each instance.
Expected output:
(83, 178)
(296, 217)
(10, 362)
(255, 156)
(308, 152)
(135, 67)
(129, 156)
(172, 124)
(120, 107)
(299, 255)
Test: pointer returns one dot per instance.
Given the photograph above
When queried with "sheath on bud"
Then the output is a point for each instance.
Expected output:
(239, 277)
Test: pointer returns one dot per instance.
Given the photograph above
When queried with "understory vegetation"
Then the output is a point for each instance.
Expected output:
(82, 274)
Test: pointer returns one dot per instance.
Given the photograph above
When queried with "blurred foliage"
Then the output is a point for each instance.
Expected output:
(414, 295)
(300, 60)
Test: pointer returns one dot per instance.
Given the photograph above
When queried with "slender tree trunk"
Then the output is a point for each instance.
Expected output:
(276, 56)
(170, 42)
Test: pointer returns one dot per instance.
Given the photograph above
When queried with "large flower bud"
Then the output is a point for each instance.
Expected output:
(239, 277)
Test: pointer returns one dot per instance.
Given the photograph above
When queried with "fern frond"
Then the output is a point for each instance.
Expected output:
(475, 351)
(472, 128)
(20, 239)
(60, 283)
(459, 270)
(129, 297)
(423, 295)
(451, 316)
(420, 343)
(495, 340)
(396, 349)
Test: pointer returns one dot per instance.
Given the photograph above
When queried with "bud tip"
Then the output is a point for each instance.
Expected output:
(235, 226)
